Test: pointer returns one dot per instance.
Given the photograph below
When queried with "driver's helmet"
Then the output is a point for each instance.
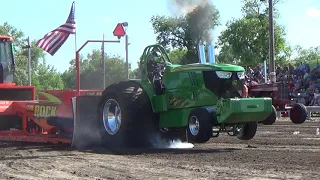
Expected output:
(156, 56)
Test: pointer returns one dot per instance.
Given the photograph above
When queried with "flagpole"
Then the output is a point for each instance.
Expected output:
(77, 60)
(75, 34)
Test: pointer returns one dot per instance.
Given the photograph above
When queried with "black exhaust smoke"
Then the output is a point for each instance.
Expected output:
(200, 15)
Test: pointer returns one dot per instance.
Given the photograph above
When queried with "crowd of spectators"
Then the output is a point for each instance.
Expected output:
(303, 82)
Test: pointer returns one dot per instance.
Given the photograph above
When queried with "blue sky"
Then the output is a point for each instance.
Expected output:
(95, 17)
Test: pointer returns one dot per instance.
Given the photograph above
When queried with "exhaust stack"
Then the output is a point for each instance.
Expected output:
(202, 55)
(211, 54)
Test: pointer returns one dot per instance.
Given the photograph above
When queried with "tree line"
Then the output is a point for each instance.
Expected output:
(245, 41)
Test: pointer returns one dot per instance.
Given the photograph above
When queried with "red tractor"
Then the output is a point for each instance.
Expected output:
(279, 93)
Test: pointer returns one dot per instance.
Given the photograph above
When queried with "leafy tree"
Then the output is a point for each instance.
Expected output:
(178, 55)
(47, 78)
(246, 39)
(310, 56)
(186, 32)
(91, 76)
(8, 30)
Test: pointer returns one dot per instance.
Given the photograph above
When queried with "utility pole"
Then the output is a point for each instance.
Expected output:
(104, 64)
(272, 72)
(125, 25)
(127, 59)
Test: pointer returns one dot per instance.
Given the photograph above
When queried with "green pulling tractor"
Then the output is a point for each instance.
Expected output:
(192, 102)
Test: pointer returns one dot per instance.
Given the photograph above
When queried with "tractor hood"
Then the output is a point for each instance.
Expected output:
(205, 67)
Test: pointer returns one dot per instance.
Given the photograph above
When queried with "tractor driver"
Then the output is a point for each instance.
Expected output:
(155, 67)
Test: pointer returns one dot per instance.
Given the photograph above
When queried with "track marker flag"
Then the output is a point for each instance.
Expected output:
(53, 40)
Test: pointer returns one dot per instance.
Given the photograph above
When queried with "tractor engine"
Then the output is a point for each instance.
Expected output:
(224, 84)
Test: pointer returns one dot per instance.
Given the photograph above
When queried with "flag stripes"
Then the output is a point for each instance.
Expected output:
(53, 40)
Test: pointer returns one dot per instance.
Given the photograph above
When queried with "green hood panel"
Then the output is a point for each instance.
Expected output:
(198, 66)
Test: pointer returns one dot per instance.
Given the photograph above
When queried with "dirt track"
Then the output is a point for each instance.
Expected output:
(275, 153)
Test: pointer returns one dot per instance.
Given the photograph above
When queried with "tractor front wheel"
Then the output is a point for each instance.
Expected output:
(199, 128)
(247, 131)
(271, 119)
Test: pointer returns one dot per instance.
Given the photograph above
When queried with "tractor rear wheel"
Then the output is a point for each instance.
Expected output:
(247, 131)
(298, 113)
(126, 115)
(199, 129)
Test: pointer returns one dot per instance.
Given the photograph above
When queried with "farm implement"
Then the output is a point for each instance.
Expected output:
(49, 118)
(192, 102)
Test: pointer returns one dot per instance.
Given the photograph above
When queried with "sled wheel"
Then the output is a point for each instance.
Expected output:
(199, 129)
(126, 115)
(271, 119)
(247, 131)
(298, 113)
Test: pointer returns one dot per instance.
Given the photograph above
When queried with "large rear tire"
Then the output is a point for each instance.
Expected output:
(126, 106)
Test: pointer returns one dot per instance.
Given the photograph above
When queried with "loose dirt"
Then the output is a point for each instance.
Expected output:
(281, 151)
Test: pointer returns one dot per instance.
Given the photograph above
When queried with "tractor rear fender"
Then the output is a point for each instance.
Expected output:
(158, 102)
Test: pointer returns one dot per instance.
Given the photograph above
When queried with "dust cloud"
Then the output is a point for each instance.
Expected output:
(160, 143)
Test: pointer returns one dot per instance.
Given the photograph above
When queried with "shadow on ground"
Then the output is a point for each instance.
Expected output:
(15, 146)
(139, 151)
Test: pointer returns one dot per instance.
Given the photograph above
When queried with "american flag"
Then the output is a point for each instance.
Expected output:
(53, 40)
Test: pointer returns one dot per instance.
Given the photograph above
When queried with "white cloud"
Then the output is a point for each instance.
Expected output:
(313, 12)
